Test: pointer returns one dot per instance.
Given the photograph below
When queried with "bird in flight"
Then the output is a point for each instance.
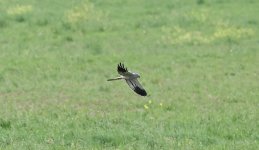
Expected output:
(131, 79)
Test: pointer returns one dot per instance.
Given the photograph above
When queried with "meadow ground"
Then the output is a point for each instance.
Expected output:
(198, 61)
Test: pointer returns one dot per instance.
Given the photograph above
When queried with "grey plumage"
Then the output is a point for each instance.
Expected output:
(131, 79)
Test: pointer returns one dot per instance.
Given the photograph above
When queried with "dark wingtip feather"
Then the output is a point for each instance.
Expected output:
(140, 91)
(121, 68)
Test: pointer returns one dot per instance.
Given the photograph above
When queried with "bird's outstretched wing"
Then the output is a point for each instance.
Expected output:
(123, 70)
(136, 86)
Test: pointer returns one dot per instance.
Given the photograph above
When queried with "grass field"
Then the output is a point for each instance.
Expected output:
(198, 60)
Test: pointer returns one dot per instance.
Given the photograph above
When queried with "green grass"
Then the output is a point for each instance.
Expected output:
(198, 61)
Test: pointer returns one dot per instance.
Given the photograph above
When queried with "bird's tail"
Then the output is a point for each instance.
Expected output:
(118, 78)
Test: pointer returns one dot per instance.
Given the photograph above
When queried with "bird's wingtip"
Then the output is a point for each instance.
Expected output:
(140, 91)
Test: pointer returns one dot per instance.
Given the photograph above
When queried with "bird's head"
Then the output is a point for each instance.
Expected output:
(137, 75)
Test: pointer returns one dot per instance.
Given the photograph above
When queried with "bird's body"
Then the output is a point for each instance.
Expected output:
(131, 79)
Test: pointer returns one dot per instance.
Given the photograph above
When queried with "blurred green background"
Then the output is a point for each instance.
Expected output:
(198, 61)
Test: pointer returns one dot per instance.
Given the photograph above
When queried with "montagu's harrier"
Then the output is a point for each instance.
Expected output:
(131, 79)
